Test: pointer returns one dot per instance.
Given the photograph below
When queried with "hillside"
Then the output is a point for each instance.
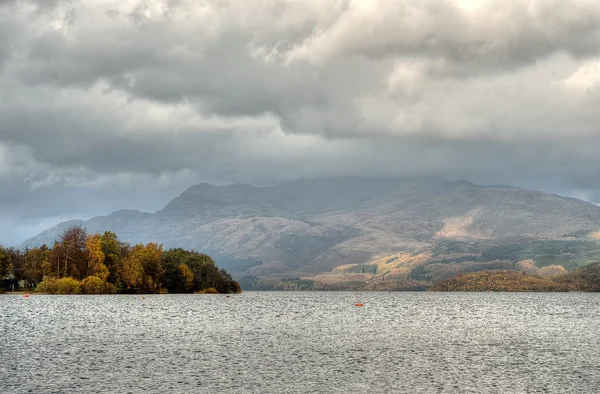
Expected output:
(311, 227)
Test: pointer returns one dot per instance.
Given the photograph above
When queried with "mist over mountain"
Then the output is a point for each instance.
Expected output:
(312, 226)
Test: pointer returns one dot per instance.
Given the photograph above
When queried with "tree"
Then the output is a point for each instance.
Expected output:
(586, 278)
(102, 264)
(178, 278)
(52, 285)
(206, 273)
(5, 265)
(131, 273)
(56, 254)
(226, 284)
(113, 250)
(37, 264)
(74, 256)
(17, 261)
(45, 265)
(96, 267)
(187, 277)
(141, 269)
(68, 285)
(175, 278)
(95, 285)
(150, 259)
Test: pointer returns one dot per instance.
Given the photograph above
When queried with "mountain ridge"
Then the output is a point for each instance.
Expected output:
(312, 226)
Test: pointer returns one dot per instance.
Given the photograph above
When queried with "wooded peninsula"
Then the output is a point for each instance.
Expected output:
(81, 263)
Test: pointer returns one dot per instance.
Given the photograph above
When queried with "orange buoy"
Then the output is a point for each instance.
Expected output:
(358, 304)
(143, 298)
(27, 295)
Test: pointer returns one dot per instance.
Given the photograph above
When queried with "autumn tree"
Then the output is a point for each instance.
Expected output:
(150, 259)
(131, 272)
(95, 266)
(95, 285)
(187, 277)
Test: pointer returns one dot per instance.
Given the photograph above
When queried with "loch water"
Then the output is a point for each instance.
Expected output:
(301, 342)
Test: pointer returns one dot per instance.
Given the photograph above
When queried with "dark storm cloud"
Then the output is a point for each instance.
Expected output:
(123, 104)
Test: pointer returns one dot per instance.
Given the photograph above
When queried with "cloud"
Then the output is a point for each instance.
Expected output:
(479, 35)
(124, 104)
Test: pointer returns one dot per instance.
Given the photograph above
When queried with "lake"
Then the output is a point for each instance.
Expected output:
(312, 342)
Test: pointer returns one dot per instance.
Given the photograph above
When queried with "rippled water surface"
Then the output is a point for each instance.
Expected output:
(317, 342)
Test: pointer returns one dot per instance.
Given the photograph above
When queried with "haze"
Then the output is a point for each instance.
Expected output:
(112, 104)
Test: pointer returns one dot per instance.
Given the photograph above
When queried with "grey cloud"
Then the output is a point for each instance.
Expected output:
(123, 104)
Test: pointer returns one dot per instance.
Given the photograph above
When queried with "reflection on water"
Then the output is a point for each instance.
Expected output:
(302, 343)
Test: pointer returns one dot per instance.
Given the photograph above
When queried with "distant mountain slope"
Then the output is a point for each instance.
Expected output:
(312, 226)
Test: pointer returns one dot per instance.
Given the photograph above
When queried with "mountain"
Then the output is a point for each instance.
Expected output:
(313, 226)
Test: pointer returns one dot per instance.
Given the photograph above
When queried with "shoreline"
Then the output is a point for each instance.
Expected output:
(22, 293)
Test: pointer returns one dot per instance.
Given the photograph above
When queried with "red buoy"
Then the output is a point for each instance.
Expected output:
(358, 304)
(27, 295)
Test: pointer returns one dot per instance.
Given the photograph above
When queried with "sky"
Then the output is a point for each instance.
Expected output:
(113, 104)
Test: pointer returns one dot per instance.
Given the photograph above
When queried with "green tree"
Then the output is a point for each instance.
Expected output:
(177, 279)
(206, 273)
(113, 251)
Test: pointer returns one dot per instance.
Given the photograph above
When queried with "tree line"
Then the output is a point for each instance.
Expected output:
(586, 278)
(79, 262)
